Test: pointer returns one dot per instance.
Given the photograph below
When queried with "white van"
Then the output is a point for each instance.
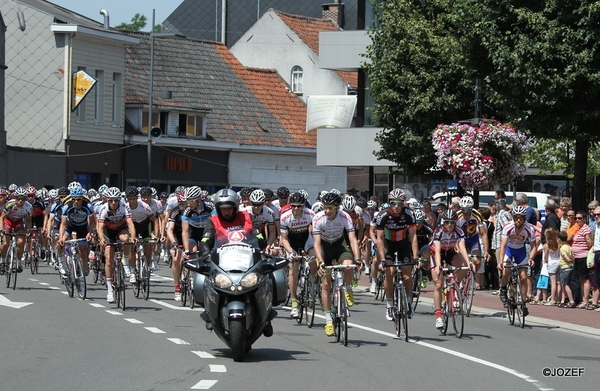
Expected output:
(536, 200)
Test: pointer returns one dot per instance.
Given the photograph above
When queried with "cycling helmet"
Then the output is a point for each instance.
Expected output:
(268, 194)
(181, 197)
(419, 215)
(245, 192)
(519, 210)
(397, 194)
(112, 193)
(193, 193)
(74, 184)
(449, 215)
(30, 190)
(52, 194)
(131, 191)
(102, 189)
(414, 204)
(146, 191)
(349, 203)
(332, 199)
(179, 189)
(283, 192)
(362, 202)
(371, 204)
(383, 206)
(317, 207)
(466, 202)
(12, 187)
(154, 193)
(297, 198)
(77, 192)
(304, 193)
(92, 193)
(20, 192)
(257, 196)
(336, 191)
(358, 210)
(3, 191)
(163, 194)
(204, 194)
(63, 191)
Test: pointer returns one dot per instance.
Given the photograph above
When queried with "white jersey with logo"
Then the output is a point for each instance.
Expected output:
(114, 219)
(518, 239)
(332, 230)
(266, 216)
(141, 213)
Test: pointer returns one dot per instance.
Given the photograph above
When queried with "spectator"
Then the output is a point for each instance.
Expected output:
(430, 216)
(566, 271)
(503, 216)
(552, 260)
(441, 208)
(565, 206)
(522, 200)
(552, 220)
(490, 273)
(572, 228)
(592, 220)
(597, 258)
(500, 195)
(582, 242)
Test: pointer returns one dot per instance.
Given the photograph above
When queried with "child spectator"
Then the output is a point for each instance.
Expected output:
(552, 262)
(566, 270)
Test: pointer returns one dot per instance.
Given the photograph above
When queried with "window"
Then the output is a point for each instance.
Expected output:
(80, 112)
(297, 80)
(117, 99)
(195, 126)
(369, 104)
(155, 120)
(99, 106)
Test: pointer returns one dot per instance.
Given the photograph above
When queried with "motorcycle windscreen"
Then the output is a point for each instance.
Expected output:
(236, 258)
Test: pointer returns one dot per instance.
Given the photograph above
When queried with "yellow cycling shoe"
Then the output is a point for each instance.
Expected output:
(349, 298)
(329, 329)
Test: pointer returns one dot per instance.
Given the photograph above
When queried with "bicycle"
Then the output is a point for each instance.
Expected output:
(379, 279)
(118, 282)
(306, 292)
(400, 309)
(515, 302)
(468, 287)
(75, 276)
(12, 260)
(340, 312)
(417, 278)
(96, 264)
(142, 272)
(452, 300)
(186, 284)
(35, 248)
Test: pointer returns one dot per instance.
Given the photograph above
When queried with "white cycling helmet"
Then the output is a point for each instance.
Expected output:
(466, 202)
(371, 204)
(193, 193)
(348, 203)
(397, 194)
(74, 184)
(257, 196)
(419, 215)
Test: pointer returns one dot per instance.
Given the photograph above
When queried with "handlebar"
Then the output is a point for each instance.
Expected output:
(75, 240)
(340, 267)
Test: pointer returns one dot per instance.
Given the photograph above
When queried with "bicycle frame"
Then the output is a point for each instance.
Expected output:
(515, 302)
(452, 300)
(340, 310)
(75, 276)
(11, 268)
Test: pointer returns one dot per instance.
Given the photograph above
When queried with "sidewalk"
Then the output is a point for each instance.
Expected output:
(484, 303)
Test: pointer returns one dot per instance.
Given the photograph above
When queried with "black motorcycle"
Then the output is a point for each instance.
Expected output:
(238, 287)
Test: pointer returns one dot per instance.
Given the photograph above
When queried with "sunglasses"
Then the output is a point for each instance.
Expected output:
(449, 221)
(596, 214)
(257, 205)
(113, 200)
(297, 206)
(20, 198)
(77, 199)
(578, 218)
(330, 207)
(396, 203)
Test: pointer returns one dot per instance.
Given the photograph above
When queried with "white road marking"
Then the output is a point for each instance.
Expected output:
(55, 288)
(155, 330)
(178, 341)
(173, 307)
(33, 279)
(64, 292)
(44, 283)
(217, 368)
(134, 321)
(204, 384)
(97, 305)
(203, 354)
(6, 302)
(112, 312)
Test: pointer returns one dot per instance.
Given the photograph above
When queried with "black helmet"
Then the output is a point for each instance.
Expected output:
(163, 194)
(362, 202)
(63, 191)
(331, 199)
(283, 192)
(146, 191)
(268, 194)
(245, 192)
(131, 191)
(297, 198)
(449, 215)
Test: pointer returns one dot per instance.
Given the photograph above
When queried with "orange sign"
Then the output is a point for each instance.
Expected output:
(179, 163)
(82, 85)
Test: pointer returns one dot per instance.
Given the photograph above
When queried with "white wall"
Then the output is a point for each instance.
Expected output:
(267, 170)
(34, 80)
(271, 44)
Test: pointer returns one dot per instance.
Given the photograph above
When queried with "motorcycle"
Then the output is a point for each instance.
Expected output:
(238, 287)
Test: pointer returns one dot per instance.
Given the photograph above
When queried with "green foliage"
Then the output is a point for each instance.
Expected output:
(137, 23)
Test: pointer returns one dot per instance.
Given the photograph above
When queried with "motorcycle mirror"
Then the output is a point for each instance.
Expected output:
(198, 266)
(275, 263)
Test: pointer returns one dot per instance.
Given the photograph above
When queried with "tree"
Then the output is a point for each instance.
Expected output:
(137, 23)
(538, 61)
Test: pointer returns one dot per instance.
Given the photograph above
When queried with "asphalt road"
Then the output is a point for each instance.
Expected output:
(62, 343)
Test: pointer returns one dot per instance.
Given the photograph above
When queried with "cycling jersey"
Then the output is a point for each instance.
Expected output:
(395, 227)
(142, 212)
(424, 235)
(296, 228)
(175, 217)
(14, 216)
(114, 219)
(332, 230)
(37, 207)
(77, 217)
(518, 239)
(471, 225)
(197, 219)
(448, 240)
(260, 220)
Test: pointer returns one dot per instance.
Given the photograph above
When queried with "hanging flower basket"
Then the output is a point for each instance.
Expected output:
(480, 157)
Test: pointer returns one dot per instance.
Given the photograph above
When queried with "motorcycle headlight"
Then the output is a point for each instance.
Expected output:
(222, 281)
(249, 280)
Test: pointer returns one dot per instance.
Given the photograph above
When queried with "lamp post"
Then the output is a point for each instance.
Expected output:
(163, 94)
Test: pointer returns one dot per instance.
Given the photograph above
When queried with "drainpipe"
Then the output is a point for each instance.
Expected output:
(104, 13)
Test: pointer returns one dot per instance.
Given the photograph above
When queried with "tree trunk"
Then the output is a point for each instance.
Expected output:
(579, 196)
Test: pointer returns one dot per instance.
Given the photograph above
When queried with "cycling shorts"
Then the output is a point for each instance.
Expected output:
(335, 251)
(10, 225)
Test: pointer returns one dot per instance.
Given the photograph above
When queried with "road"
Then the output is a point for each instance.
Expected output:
(59, 343)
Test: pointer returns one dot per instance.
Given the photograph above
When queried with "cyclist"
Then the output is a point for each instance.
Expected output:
(245, 197)
(472, 224)
(328, 237)
(424, 235)
(38, 214)
(115, 216)
(194, 219)
(447, 239)
(396, 237)
(16, 216)
(296, 238)
(77, 217)
(281, 203)
(147, 194)
(174, 233)
(515, 234)
(143, 218)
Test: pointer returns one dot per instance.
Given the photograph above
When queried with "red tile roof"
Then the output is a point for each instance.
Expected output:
(308, 29)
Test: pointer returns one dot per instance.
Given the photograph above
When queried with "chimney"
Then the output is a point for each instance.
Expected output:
(335, 12)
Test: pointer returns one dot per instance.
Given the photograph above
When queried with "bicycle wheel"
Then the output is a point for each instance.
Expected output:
(8, 268)
(468, 292)
(121, 286)
(520, 305)
(416, 290)
(510, 305)
(344, 322)
(95, 266)
(445, 314)
(301, 296)
(458, 315)
(190, 287)
(80, 282)
(69, 278)
(146, 280)
(401, 316)
(311, 301)
(32, 257)
(137, 285)
(335, 313)
(183, 285)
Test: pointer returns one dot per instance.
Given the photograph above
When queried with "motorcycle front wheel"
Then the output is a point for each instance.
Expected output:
(237, 339)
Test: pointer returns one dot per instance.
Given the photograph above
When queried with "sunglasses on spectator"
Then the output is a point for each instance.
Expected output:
(596, 214)
(396, 203)
(578, 218)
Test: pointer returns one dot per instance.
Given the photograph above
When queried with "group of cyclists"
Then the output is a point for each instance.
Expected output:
(336, 229)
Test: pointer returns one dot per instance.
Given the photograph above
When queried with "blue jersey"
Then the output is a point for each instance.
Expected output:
(77, 217)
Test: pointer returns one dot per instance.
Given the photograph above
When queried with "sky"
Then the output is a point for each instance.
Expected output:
(121, 10)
